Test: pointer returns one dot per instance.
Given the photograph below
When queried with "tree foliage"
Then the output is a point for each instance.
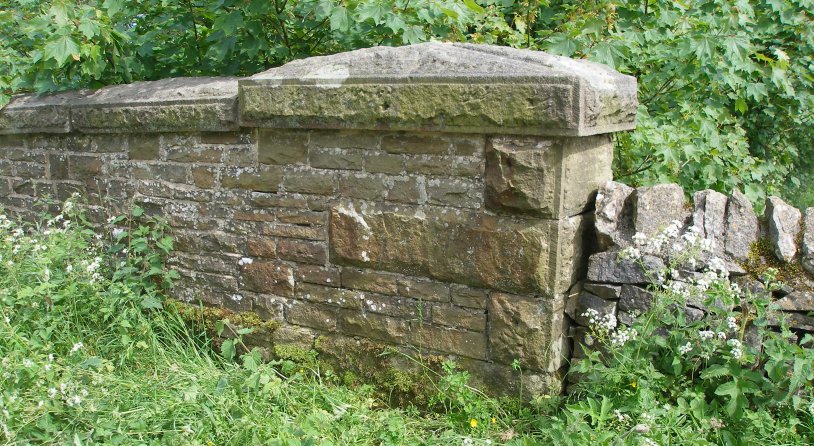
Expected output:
(724, 87)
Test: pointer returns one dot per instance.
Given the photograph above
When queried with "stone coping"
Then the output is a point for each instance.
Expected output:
(427, 87)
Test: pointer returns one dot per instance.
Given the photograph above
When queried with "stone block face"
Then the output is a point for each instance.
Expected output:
(268, 278)
(657, 206)
(525, 328)
(784, 228)
(614, 214)
(469, 249)
(742, 228)
(465, 343)
(457, 317)
(282, 147)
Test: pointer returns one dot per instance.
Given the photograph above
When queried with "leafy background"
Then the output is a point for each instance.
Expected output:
(725, 87)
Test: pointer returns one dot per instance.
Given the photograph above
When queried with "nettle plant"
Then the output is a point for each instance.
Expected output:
(675, 375)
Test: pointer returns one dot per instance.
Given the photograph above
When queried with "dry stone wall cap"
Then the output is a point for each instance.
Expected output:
(180, 104)
(443, 87)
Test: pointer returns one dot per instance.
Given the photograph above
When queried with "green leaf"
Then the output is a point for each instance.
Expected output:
(151, 303)
(227, 349)
(474, 7)
(62, 49)
(373, 11)
(340, 21)
(561, 45)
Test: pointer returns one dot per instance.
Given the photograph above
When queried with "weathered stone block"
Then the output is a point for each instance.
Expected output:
(308, 181)
(457, 317)
(374, 326)
(309, 314)
(370, 280)
(709, 216)
(336, 159)
(609, 292)
(263, 179)
(302, 251)
(80, 167)
(384, 163)
(292, 230)
(363, 186)
(282, 147)
(456, 192)
(657, 206)
(327, 276)
(458, 342)
(262, 247)
(437, 86)
(468, 297)
(268, 278)
(784, 228)
(407, 190)
(331, 296)
(527, 329)
(193, 154)
(741, 226)
(607, 267)
(586, 301)
(467, 248)
(344, 139)
(614, 215)
(424, 290)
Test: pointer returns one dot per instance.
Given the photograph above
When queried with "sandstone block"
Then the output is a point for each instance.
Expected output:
(282, 147)
(797, 301)
(80, 167)
(468, 297)
(374, 326)
(370, 280)
(302, 251)
(784, 228)
(308, 314)
(458, 342)
(326, 276)
(456, 192)
(525, 328)
(363, 186)
(322, 182)
(407, 190)
(424, 290)
(335, 159)
(457, 317)
(262, 247)
(413, 143)
(261, 179)
(268, 278)
(472, 249)
(384, 163)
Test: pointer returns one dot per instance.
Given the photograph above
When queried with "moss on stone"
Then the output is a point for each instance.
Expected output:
(761, 258)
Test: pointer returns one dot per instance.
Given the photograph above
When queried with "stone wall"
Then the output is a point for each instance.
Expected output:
(783, 238)
(435, 198)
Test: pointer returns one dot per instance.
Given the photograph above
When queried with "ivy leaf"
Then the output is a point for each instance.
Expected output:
(61, 49)
(151, 303)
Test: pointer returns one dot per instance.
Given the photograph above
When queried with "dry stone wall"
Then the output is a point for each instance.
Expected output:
(435, 197)
(743, 242)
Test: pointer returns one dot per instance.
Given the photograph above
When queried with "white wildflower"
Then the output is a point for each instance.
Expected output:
(686, 348)
(76, 347)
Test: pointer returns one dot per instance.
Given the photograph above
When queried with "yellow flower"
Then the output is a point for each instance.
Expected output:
(473, 422)
(634, 384)
(494, 420)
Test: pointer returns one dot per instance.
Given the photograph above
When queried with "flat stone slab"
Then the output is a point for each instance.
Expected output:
(180, 104)
(443, 86)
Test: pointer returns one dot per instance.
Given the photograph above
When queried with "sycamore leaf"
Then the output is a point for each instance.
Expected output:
(339, 19)
(474, 7)
(61, 49)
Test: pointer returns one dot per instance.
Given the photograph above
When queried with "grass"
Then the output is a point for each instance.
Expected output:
(90, 353)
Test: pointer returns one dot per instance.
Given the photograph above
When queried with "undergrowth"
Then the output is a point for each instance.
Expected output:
(93, 354)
